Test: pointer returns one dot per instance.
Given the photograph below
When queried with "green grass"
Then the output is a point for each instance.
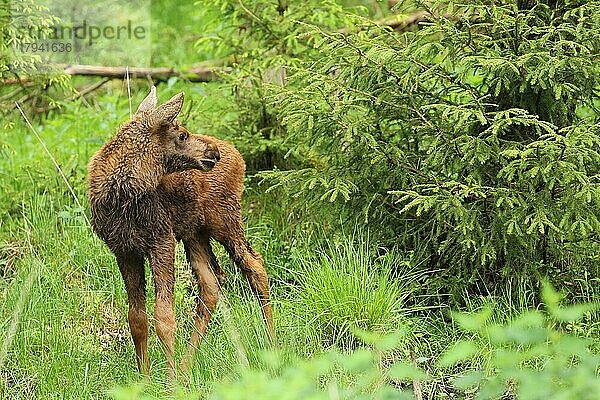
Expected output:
(368, 298)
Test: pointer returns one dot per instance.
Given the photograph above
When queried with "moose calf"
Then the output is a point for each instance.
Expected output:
(156, 183)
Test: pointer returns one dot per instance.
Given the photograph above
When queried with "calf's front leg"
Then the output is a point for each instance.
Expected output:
(132, 271)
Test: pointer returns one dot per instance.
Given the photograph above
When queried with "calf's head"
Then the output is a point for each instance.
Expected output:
(178, 148)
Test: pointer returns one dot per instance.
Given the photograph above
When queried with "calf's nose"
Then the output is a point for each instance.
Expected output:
(212, 152)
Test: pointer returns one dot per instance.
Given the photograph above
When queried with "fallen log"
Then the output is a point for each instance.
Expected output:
(195, 74)
(159, 74)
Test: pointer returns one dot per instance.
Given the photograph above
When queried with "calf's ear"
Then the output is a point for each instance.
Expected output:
(167, 112)
(163, 115)
(149, 102)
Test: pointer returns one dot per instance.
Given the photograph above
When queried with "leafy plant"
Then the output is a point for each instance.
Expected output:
(23, 22)
(532, 357)
(19, 20)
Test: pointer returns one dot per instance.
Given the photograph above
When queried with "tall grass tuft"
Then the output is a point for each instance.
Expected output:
(345, 286)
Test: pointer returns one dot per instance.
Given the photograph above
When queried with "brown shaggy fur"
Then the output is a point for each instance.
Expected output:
(154, 184)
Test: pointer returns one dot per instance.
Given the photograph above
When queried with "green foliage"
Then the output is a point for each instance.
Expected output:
(175, 29)
(21, 21)
(14, 15)
(472, 140)
(531, 357)
(311, 379)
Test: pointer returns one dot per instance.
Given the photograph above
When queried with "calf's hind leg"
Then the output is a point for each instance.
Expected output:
(252, 266)
(132, 270)
(205, 267)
